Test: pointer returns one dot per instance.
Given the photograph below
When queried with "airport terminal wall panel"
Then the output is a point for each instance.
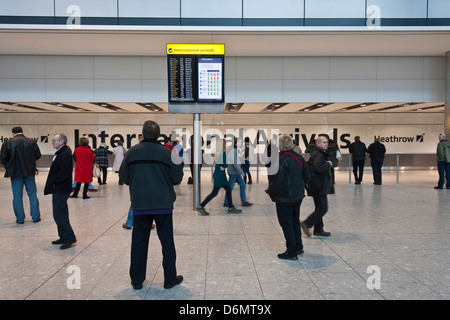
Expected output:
(228, 13)
(247, 79)
(401, 133)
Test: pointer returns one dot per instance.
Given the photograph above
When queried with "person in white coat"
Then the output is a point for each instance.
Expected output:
(119, 152)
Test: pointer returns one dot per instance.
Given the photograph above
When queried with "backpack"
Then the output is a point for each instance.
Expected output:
(446, 152)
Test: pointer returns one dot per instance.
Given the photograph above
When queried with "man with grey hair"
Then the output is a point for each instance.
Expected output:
(287, 190)
(443, 161)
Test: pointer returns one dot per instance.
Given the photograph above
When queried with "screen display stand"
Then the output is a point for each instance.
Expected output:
(197, 107)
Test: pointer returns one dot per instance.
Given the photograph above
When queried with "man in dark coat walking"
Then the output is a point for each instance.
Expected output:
(319, 187)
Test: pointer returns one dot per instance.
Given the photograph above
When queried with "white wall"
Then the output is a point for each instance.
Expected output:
(247, 79)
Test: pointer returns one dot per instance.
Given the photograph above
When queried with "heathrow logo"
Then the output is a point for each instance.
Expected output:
(394, 138)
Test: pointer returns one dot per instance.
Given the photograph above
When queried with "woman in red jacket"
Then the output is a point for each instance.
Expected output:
(84, 165)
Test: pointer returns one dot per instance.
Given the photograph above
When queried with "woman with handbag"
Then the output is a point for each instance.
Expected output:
(84, 165)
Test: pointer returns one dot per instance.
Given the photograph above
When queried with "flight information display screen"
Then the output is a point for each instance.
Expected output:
(210, 79)
(182, 78)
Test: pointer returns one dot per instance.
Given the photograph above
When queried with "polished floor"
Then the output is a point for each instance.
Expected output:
(388, 242)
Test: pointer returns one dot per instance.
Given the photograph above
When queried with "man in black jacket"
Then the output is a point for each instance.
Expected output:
(19, 156)
(320, 178)
(376, 151)
(151, 170)
(59, 185)
(287, 190)
(358, 150)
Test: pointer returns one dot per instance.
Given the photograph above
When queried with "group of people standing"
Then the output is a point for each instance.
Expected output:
(153, 202)
(376, 151)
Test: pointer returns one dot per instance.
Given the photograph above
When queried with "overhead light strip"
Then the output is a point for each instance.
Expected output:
(66, 106)
(315, 107)
(150, 106)
(19, 105)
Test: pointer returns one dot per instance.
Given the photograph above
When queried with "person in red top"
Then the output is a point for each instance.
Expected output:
(84, 165)
(168, 142)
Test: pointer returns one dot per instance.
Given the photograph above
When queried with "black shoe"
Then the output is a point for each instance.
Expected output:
(300, 251)
(178, 280)
(136, 286)
(74, 196)
(286, 256)
(202, 211)
(35, 221)
(322, 234)
(247, 204)
(305, 229)
(67, 245)
(439, 187)
(19, 222)
(59, 241)
(86, 197)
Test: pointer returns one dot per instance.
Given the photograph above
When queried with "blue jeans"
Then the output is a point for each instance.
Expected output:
(237, 178)
(17, 190)
(129, 222)
(444, 173)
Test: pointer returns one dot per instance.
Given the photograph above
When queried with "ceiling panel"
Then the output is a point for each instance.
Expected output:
(245, 108)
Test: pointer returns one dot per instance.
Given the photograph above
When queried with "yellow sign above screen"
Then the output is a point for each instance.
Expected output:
(196, 49)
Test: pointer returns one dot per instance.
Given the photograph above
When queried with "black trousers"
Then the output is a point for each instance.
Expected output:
(376, 170)
(358, 167)
(61, 217)
(289, 218)
(103, 176)
(315, 219)
(142, 225)
(215, 192)
(77, 189)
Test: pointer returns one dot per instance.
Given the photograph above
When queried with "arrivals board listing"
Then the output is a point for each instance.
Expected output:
(181, 78)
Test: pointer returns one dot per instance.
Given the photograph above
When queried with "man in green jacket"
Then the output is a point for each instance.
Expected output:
(443, 161)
